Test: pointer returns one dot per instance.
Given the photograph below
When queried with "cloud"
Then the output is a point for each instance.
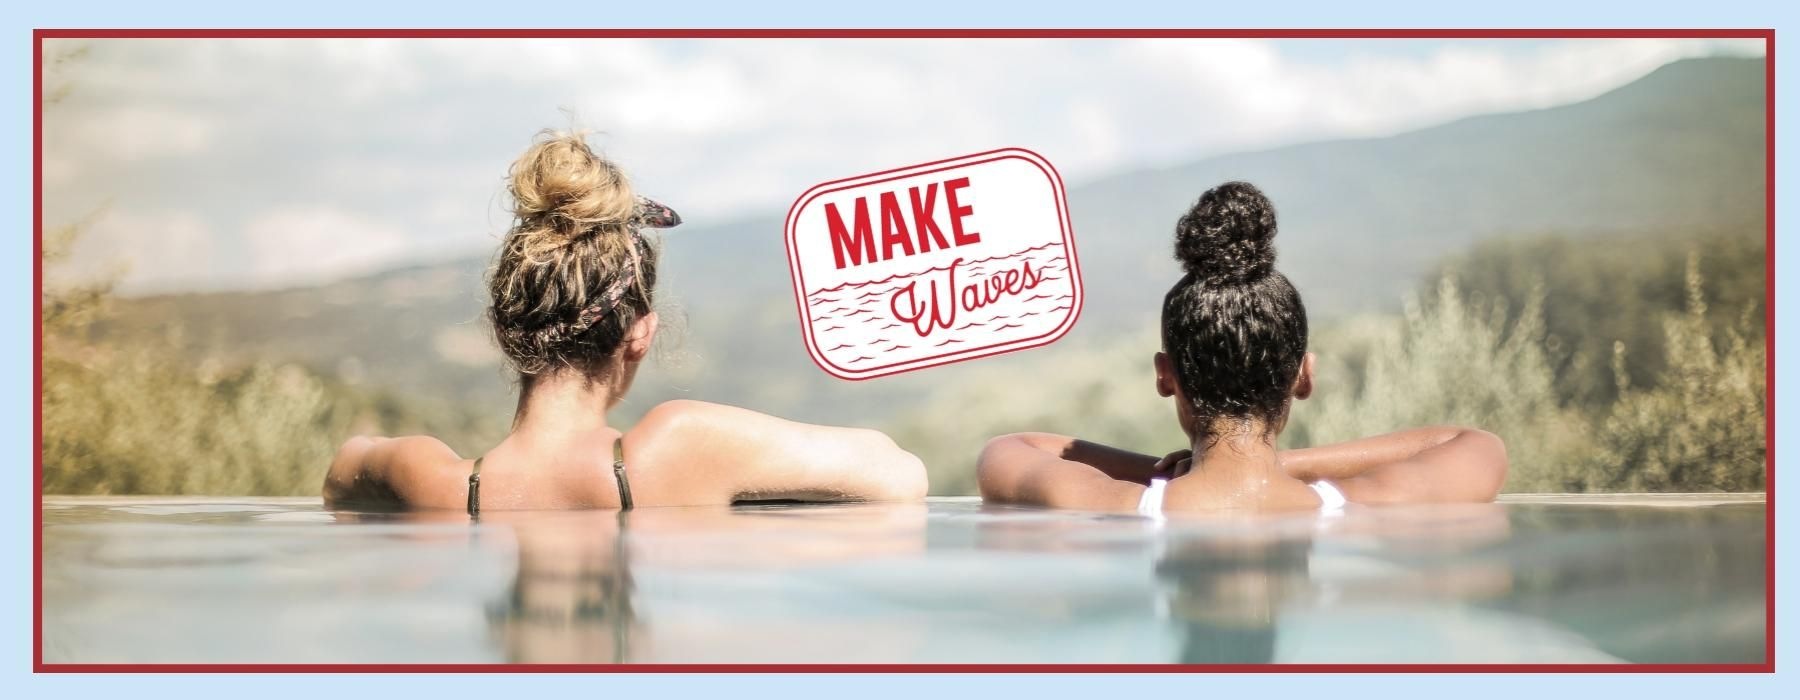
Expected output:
(313, 243)
(146, 244)
(139, 132)
(306, 159)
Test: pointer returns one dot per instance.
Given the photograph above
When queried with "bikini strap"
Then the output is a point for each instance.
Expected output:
(1331, 498)
(624, 485)
(1151, 503)
(475, 490)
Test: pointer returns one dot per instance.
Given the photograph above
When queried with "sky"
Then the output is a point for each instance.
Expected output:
(265, 163)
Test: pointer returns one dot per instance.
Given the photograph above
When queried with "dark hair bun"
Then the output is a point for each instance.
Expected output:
(1228, 237)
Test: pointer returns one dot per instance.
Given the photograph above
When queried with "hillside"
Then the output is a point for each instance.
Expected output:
(1361, 220)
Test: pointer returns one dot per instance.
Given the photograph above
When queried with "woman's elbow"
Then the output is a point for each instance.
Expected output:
(912, 482)
(346, 466)
(1492, 464)
(906, 478)
(997, 446)
(994, 472)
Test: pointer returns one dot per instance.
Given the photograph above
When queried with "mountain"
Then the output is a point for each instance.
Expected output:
(1361, 220)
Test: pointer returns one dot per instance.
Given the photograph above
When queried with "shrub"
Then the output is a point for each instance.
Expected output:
(1453, 361)
(1703, 427)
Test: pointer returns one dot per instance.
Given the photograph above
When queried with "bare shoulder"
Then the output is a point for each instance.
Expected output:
(681, 414)
(700, 423)
(675, 431)
(421, 449)
(699, 452)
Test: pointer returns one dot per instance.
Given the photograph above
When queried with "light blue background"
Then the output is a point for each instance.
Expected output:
(15, 284)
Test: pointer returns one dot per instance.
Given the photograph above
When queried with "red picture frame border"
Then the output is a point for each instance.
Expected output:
(37, 214)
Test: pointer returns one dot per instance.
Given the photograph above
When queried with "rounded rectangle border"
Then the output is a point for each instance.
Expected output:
(946, 166)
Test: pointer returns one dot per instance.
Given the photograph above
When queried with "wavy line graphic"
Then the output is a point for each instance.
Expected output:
(930, 269)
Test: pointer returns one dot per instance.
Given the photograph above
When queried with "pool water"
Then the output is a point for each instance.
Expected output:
(1553, 579)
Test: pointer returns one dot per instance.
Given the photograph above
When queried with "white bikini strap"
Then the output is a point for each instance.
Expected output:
(1151, 504)
(1330, 498)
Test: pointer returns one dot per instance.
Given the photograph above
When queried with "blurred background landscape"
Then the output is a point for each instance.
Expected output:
(1582, 273)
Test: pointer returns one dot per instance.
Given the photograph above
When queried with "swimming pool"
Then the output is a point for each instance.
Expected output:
(1534, 579)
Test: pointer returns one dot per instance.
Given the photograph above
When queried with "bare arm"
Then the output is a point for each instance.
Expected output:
(389, 471)
(1421, 465)
(1061, 472)
(1114, 462)
(697, 452)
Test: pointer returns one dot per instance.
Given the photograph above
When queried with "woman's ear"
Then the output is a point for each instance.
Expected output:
(637, 344)
(1303, 384)
(1165, 375)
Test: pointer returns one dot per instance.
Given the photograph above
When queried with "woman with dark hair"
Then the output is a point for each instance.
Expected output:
(571, 305)
(1234, 358)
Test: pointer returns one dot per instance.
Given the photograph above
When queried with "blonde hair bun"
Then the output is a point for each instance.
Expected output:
(562, 191)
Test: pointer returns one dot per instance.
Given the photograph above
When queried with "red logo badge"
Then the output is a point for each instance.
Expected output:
(933, 264)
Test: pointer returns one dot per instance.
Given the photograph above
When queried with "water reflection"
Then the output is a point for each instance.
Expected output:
(570, 600)
(1228, 581)
(573, 596)
(146, 580)
(1224, 596)
(1649, 584)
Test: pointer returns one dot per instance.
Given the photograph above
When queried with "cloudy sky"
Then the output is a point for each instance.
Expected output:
(264, 163)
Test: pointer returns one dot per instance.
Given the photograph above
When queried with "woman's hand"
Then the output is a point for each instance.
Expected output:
(1174, 464)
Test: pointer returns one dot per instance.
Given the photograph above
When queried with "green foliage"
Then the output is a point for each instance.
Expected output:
(1703, 427)
(149, 417)
(1601, 290)
(1451, 362)
(132, 419)
(137, 422)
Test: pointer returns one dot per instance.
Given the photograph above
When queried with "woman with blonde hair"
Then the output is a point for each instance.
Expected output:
(571, 305)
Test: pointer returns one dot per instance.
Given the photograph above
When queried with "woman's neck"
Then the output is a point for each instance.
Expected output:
(562, 405)
(1243, 450)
